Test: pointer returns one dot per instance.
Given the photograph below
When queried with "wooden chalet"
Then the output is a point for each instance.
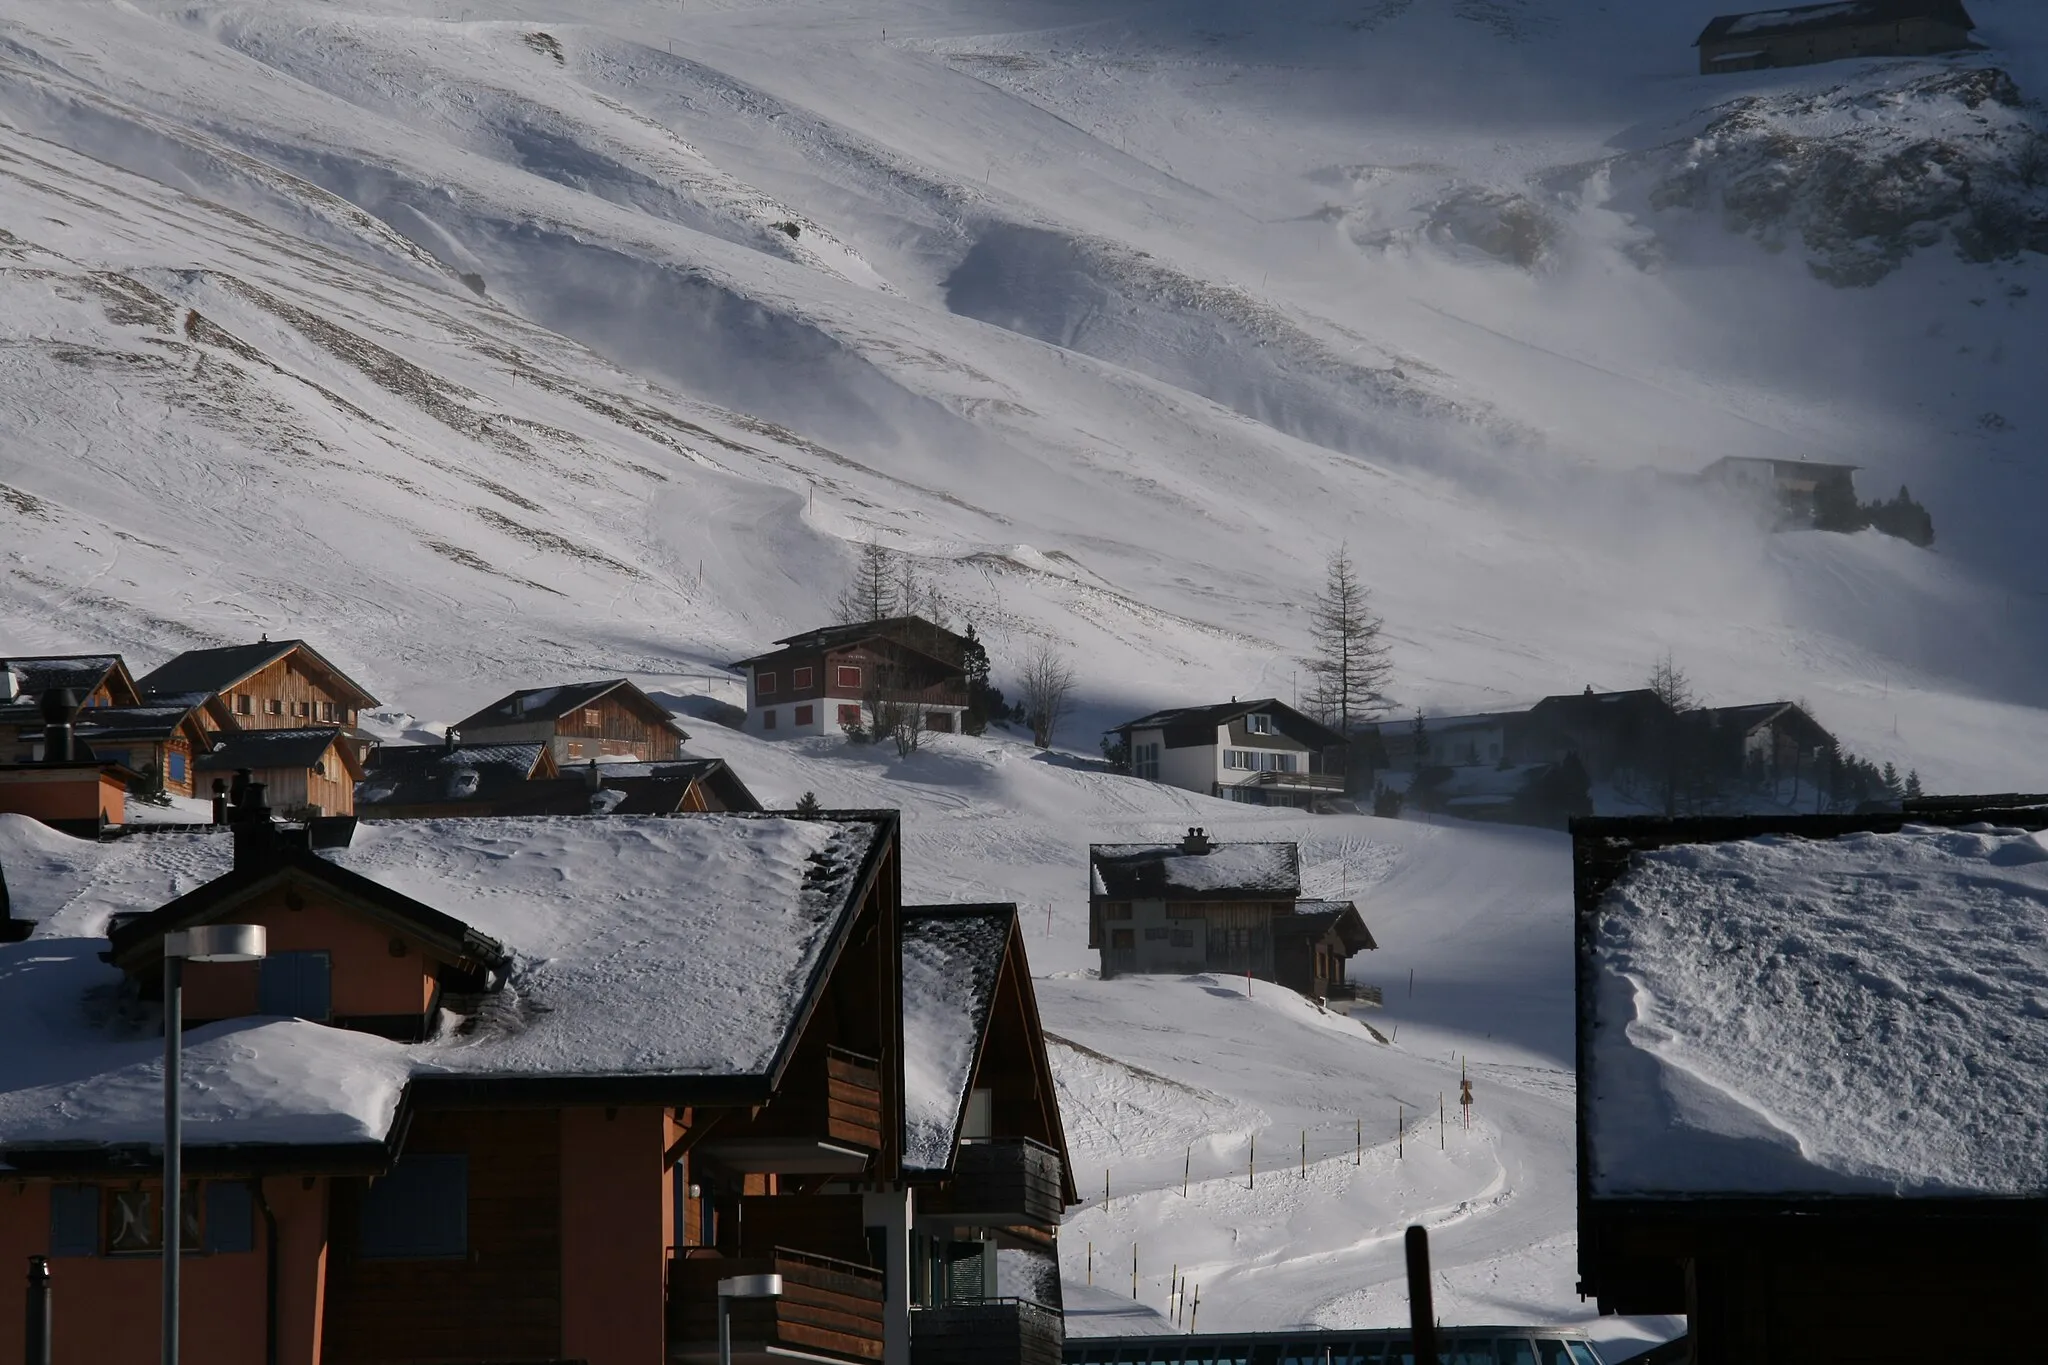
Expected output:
(1769, 742)
(823, 681)
(983, 1145)
(1200, 906)
(1804, 34)
(270, 685)
(607, 719)
(1791, 1129)
(96, 680)
(669, 1051)
(1613, 733)
(308, 772)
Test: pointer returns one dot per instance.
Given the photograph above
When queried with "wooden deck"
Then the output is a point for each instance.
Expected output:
(828, 1308)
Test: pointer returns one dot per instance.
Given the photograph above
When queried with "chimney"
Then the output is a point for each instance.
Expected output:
(220, 801)
(591, 777)
(256, 842)
(1196, 842)
(450, 738)
(60, 708)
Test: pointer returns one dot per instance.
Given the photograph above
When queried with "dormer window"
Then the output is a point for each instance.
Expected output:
(1259, 724)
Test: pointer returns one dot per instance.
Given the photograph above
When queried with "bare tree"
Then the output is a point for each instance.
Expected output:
(895, 698)
(1350, 668)
(1045, 692)
(1676, 758)
(872, 594)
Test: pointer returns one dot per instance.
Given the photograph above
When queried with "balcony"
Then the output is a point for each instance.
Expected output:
(827, 1121)
(1002, 1182)
(829, 1309)
(1319, 782)
(987, 1332)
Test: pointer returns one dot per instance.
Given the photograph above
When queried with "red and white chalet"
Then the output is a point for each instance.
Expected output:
(824, 680)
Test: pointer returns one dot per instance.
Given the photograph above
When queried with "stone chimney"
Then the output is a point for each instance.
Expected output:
(256, 841)
(1197, 841)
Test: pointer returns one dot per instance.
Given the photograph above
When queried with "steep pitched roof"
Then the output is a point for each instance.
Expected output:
(911, 633)
(156, 720)
(1250, 871)
(260, 749)
(214, 671)
(40, 673)
(552, 703)
(1316, 918)
(952, 961)
(1772, 23)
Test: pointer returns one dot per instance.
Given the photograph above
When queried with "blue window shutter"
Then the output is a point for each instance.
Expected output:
(230, 1217)
(296, 985)
(419, 1211)
(177, 767)
(74, 1220)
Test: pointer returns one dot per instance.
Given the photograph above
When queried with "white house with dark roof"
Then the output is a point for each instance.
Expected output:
(1263, 752)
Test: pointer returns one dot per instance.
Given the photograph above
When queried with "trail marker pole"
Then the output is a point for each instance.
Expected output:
(1421, 1316)
(1251, 1165)
(1048, 919)
(1091, 1264)
(1400, 1130)
(1172, 1284)
(1304, 1154)
(1187, 1163)
(1358, 1142)
(1411, 983)
(1439, 1120)
(1247, 983)
(1134, 1272)
(1105, 1189)
(1195, 1311)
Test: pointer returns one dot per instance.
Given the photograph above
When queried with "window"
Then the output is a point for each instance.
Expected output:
(1258, 761)
(230, 1217)
(593, 718)
(799, 678)
(296, 985)
(849, 715)
(847, 676)
(134, 1221)
(1183, 938)
(319, 767)
(420, 1211)
(980, 1120)
(1155, 934)
(805, 715)
(575, 748)
(273, 707)
(1116, 909)
(764, 684)
(1260, 724)
(1145, 761)
(327, 710)
(241, 703)
(74, 1220)
(940, 722)
(768, 719)
(1121, 938)
(302, 708)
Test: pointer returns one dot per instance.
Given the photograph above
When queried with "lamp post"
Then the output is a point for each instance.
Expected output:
(207, 943)
(741, 1287)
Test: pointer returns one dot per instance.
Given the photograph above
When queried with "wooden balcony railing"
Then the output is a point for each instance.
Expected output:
(829, 1308)
(853, 1098)
(1332, 782)
(987, 1332)
(1003, 1182)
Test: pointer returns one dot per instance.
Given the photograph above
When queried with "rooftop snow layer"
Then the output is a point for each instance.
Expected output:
(73, 886)
(1865, 1015)
(1146, 871)
(951, 960)
(641, 945)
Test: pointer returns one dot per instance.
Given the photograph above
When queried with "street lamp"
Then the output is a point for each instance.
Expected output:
(207, 943)
(741, 1287)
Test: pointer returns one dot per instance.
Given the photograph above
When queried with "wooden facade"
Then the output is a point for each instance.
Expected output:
(275, 685)
(579, 723)
(825, 680)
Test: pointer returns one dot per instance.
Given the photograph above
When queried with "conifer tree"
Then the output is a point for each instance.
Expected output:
(871, 595)
(807, 804)
(1351, 667)
(1913, 790)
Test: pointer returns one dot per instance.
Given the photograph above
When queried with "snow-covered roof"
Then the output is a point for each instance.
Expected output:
(952, 957)
(1253, 871)
(1859, 1015)
(1800, 18)
(420, 774)
(675, 947)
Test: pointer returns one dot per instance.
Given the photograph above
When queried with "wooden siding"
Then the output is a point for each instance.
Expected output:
(287, 683)
(618, 731)
(853, 1099)
(503, 1301)
(299, 791)
(828, 1307)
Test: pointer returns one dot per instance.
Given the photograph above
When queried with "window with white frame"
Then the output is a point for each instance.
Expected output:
(1259, 724)
(1145, 761)
(1258, 761)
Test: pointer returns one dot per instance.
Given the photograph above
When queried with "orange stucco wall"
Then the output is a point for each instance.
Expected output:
(299, 1204)
(616, 1230)
(64, 794)
(366, 977)
(107, 1308)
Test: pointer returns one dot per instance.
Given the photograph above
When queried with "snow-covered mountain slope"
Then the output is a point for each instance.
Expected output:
(598, 332)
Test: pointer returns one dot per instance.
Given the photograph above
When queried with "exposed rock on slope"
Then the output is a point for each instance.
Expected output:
(1864, 175)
